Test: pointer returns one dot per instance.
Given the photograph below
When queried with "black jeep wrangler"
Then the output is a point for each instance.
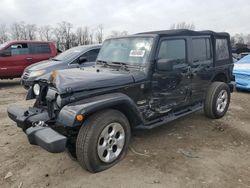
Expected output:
(140, 81)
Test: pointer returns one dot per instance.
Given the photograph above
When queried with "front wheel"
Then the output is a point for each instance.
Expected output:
(217, 100)
(103, 140)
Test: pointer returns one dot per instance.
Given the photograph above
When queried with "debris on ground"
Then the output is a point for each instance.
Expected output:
(187, 153)
(8, 175)
(137, 153)
(20, 185)
(157, 181)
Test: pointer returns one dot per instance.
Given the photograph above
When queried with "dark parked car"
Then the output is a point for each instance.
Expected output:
(15, 56)
(80, 56)
(140, 81)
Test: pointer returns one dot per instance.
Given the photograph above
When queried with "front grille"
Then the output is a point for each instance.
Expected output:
(25, 75)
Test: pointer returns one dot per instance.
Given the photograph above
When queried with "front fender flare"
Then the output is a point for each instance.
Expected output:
(66, 116)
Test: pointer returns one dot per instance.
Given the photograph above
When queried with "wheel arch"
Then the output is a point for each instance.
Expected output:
(220, 77)
(89, 106)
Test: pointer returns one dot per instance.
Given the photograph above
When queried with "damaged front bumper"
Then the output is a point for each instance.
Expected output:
(32, 121)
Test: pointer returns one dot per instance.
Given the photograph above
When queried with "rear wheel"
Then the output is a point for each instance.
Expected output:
(103, 140)
(217, 100)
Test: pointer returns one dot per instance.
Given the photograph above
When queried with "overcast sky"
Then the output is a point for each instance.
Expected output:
(132, 15)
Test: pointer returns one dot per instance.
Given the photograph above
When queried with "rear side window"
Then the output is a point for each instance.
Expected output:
(173, 49)
(40, 48)
(201, 49)
(222, 52)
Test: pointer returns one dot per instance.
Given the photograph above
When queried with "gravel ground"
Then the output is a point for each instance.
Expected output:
(193, 151)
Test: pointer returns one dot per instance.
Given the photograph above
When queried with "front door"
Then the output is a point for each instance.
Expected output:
(17, 58)
(172, 89)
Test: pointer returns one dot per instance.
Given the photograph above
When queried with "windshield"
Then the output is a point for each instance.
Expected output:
(3, 45)
(244, 60)
(69, 54)
(131, 51)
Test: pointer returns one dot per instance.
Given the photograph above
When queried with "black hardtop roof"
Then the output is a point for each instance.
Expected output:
(180, 32)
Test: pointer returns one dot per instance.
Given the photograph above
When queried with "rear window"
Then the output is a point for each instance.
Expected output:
(222, 52)
(201, 49)
(40, 48)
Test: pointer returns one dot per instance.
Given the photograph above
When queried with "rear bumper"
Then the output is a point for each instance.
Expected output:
(41, 135)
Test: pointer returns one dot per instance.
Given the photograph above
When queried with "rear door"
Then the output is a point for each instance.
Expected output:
(201, 67)
(40, 52)
(13, 64)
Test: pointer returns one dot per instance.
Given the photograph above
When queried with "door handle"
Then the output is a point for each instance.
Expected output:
(29, 58)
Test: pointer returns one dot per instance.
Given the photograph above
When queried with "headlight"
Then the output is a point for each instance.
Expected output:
(58, 100)
(36, 73)
(36, 89)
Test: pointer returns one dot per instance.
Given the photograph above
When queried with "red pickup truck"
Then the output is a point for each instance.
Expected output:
(15, 56)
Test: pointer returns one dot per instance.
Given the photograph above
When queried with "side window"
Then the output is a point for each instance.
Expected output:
(40, 48)
(173, 49)
(201, 49)
(18, 49)
(92, 55)
(222, 51)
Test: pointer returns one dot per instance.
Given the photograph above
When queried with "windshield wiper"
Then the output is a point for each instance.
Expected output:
(125, 65)
(54, 59)
(119, 65)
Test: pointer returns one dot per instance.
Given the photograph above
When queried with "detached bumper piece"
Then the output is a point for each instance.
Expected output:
(44, 136)
(47, 138)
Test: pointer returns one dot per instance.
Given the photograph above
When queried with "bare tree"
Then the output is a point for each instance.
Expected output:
(30, 30)
(57, 35)
(63, 33)
(86, 37)
(248, 40)
(23, 31)
(241, 40)
(91, 36)
(45, 32)
(116, 33)
(99, 34)
(3, 33)
(82, 35)
(15, 31)
(183, 25)
(79, 36)
(233, 42)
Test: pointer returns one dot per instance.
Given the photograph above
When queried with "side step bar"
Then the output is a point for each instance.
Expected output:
(172, 116)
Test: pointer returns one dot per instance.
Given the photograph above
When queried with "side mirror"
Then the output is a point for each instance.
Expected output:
(82, 59)
(165, 64)
(5, 53)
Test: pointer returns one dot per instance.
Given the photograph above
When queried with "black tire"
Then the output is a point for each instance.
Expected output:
(88, 139)
(71, 151)
(210, 104)
(238, 89)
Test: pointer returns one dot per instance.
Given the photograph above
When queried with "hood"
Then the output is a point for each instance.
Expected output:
(44, 65)
(241, 68)
(92, 78)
